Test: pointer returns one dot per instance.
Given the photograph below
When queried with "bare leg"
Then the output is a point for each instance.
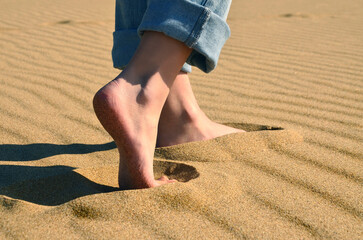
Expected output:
(129, 107)
(183, 121)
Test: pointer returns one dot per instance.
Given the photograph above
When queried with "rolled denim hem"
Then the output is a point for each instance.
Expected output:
(124, 47)
(125, 44)
(193, 24)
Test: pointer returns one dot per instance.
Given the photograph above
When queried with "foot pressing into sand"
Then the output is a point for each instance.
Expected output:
(129, 107)
(183, 121)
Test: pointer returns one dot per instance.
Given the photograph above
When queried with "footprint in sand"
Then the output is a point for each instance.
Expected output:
(294, 15)
(303, 15)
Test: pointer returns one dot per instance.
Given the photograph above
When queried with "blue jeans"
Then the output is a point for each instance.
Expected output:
(199, 24)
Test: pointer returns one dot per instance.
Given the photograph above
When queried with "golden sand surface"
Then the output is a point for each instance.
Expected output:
(291, 74)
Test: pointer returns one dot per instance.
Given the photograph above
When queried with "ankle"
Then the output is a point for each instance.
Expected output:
(181, 114)
(158, 53)
(193, 115)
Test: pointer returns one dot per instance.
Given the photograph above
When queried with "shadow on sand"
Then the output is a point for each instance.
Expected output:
(36, 151)
(48, 186)
(55, 185)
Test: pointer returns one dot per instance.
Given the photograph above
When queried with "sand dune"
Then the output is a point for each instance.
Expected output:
(291, 75)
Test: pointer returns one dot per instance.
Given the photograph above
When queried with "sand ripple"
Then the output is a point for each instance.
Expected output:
(296, 65)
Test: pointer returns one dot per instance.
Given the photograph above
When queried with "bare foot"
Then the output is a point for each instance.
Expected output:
(183, 121)
(133, 126)
(129, 107)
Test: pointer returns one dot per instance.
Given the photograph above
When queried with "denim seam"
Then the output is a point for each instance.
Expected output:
(198, 27)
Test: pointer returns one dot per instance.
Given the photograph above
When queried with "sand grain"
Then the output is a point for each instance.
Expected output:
(291, 75)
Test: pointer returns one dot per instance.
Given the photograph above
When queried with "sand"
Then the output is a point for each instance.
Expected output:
(291, 74)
